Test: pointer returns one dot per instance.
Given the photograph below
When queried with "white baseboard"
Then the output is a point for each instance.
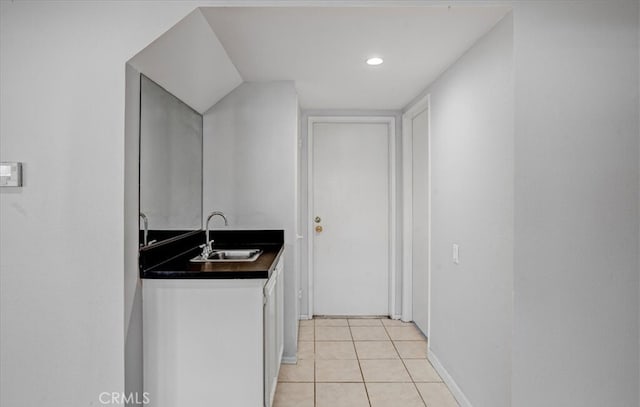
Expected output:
(289, 360)
(304, 317)
(398, 316)
(446, 377)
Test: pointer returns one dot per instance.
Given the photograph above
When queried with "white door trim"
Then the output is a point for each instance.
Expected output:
(407, 207)
(391, 123)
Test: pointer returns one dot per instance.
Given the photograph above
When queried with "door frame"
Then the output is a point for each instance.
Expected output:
(407, 207)
(391, 134)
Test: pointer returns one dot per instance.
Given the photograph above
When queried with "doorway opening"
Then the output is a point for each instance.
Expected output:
(416, 276)
(352, 215)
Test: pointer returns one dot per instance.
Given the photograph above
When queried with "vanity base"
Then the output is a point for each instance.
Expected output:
(203, 342)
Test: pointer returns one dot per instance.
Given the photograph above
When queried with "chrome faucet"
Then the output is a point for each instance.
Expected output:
(145, 223)
(207, 246)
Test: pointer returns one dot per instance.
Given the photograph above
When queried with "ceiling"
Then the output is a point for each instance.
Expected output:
(189, 61)
(324, 49)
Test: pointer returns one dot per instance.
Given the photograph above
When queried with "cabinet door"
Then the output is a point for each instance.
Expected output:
(280, 314)
(270, 340)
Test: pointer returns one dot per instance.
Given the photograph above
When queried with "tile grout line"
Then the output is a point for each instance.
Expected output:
(364, 384)
(405, 366)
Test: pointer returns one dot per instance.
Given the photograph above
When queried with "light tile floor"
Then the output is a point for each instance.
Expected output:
(361, 362)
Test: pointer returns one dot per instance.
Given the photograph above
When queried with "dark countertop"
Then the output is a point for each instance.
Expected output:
(180, 267)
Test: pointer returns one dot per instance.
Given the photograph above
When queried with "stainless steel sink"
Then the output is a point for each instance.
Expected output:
(219, 256)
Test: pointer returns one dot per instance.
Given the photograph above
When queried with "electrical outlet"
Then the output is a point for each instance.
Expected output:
(455, 254)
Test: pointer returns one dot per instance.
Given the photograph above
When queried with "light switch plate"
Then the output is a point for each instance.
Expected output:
(456, 254)
(10, 174)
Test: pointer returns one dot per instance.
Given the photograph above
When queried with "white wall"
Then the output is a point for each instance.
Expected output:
(62, 310)
(575, 220)
(472, 205)
(576, 191)
(250, 172)
(133, 367)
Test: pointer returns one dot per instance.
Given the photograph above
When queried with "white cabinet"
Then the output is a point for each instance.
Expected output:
(273, 332)
(212, 342)
(280, 313)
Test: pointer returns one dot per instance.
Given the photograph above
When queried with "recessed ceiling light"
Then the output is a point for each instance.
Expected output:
(374, 61)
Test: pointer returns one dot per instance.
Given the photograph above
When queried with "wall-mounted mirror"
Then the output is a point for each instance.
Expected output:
(170, 165)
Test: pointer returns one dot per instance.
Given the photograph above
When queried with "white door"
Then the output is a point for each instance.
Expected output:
(420, 211)
(350, 203)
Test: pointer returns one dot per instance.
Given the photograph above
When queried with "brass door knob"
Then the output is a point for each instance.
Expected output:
(318, 228)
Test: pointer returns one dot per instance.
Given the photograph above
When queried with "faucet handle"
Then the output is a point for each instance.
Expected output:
(207, 248)
(207, 245)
